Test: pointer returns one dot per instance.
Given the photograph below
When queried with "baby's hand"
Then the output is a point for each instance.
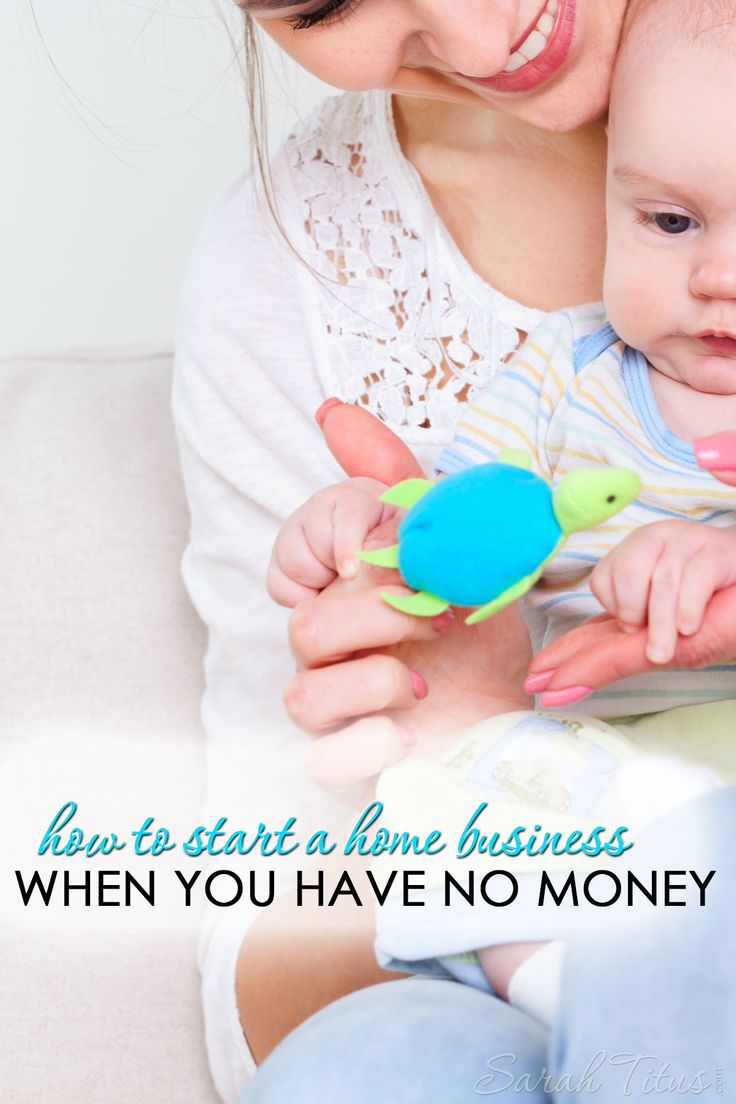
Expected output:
(319, 541)
(663, 576)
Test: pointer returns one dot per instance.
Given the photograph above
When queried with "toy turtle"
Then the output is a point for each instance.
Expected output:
(482, 537)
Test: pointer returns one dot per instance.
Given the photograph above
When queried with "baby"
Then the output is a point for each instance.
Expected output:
(630, 384)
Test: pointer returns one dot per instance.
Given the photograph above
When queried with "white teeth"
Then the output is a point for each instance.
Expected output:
(533, 45)
(536, 41)
(515, 62)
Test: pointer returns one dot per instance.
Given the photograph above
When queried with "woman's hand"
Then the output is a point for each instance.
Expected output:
(358, 657)
(600, 652)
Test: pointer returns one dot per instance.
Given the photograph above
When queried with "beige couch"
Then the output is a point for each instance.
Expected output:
(99, 689)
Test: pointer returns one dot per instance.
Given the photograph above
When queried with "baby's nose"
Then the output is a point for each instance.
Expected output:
(715, 276)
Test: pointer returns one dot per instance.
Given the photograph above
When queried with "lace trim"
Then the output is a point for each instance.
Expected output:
(392, 297)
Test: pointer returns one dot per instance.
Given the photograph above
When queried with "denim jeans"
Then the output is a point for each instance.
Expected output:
(642, 1019)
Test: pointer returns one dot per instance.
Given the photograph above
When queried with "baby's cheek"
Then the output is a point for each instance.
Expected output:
(627, 294)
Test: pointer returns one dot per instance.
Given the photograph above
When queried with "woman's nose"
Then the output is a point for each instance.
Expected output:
(472, 37)
(715, 275)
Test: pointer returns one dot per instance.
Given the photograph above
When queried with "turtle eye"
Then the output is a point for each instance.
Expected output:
(611, 498)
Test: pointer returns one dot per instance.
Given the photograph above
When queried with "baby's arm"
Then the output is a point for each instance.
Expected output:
(663, 576)
(319, 541)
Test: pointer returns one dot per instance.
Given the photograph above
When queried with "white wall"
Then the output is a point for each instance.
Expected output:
(121, 119)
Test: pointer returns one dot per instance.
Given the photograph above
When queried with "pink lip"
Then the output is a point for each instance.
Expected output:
(552, 57)
(720, 343)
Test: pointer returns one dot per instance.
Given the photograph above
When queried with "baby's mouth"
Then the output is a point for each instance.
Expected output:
(719, 342)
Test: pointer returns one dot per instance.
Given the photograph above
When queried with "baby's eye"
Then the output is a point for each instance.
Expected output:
(671, 223)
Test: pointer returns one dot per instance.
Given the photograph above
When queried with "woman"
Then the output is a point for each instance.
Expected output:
(443, 215)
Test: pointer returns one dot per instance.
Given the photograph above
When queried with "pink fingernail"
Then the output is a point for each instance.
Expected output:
(321, 412)
(717, 453)
(443, 621)
(408, 738)
(572, 694)
(419, 686)
(535, 684)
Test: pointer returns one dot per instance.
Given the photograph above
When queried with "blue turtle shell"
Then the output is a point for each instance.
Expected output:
(477, 532)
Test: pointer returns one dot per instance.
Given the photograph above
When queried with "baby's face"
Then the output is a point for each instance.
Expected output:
(670, 283)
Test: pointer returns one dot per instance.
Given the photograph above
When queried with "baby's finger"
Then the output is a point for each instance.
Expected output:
(601, 584)
(353, 756)
(320, 699)
(292, 559)
(284, 590)
(664, 595)
(696, 590)
(631, 584)
(355, 516)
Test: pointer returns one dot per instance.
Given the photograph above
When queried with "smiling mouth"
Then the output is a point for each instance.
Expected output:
(535, 40)
(539, 53)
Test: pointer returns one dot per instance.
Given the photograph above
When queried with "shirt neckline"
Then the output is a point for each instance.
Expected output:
(641, 395)
(426, 216)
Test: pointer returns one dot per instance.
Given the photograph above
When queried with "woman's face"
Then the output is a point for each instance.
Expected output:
(548, 63)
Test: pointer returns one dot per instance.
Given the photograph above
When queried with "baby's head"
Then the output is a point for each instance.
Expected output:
(670, 285)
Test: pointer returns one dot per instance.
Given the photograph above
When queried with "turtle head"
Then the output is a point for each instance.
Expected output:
(587, 496)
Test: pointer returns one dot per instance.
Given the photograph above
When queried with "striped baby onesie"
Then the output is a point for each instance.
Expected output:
(576, 395)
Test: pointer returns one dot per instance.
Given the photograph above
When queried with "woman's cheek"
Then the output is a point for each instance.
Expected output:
(343, 60)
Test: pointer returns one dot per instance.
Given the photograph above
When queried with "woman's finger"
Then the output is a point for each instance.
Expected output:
(602, 653)
(342, 621)
(549, 659)
(717, 454)
(319, 699)
(346, 762)
(613, 655)
(362, 445)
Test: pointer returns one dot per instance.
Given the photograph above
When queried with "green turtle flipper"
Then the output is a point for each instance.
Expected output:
(381, 557)
(407, 493)
(420, 604)
(518, 590)
(515, 458)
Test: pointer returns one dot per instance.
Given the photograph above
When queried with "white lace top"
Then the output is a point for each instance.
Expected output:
(399, 324)
(406, 303)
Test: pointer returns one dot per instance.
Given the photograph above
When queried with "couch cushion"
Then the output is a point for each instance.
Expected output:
(100, 681)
